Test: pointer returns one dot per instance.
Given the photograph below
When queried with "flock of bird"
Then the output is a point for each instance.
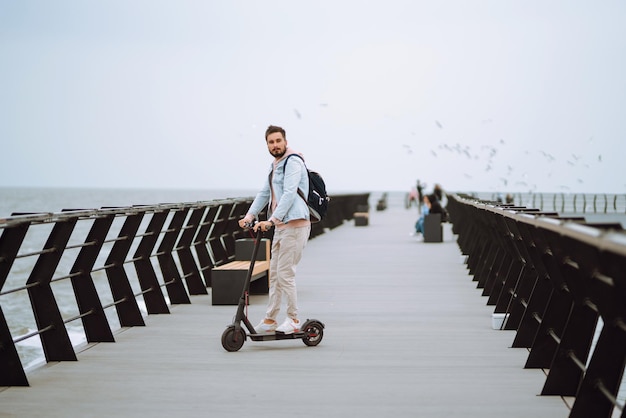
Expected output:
(486, 158)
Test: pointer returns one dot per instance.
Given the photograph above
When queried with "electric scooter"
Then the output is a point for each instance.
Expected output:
(234, 336)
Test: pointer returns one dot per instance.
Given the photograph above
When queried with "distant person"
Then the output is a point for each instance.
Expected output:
(382, 202)
(412, 197)
(509, 198)
(438, 191)
(424, 210)
(420, 195)
(435, 207)
(289, 213)
(429, 205)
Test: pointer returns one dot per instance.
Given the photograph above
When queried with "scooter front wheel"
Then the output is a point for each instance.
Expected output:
(313, 333)
(233, 339)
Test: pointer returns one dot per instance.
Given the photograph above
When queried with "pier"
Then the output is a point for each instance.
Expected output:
(408, 334)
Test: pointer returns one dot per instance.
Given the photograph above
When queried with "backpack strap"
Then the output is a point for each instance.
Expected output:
(300, 192)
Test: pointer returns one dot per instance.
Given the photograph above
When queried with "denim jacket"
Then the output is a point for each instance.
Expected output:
(285, 184)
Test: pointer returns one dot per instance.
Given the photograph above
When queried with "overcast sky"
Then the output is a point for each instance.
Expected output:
(475, 95)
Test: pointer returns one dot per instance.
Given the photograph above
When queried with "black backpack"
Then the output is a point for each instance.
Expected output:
(317, 201)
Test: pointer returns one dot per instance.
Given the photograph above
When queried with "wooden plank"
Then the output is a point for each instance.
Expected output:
(259, 266)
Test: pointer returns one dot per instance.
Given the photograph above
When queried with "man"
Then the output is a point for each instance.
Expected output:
(289, 214)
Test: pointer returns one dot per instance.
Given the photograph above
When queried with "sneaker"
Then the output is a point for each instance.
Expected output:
(289, 326)
(264, 328)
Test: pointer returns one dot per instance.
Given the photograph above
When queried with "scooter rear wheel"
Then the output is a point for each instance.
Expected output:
(233, 339)
(313, 333)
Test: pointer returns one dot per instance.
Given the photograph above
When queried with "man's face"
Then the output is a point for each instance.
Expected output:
(276, 144)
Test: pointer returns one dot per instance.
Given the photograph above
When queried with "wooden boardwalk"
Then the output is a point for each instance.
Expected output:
(407, 335)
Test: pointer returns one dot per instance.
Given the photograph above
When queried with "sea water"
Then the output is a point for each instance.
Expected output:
(55, 199)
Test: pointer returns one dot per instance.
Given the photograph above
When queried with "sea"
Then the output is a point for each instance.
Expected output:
(21, 199)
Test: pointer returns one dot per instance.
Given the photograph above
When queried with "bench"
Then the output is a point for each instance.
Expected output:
(382, 203)
(227, 280)
(361, 216)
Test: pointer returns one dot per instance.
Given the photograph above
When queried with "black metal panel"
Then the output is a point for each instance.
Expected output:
(230, 227)
(475, 259)
(607, 364)
(126, 306)
(508, 289)
(502, 264)
(148, 280)
(95, 323)
(565, 375)
(502, 270)
(518, 293)
(10, 243)
(606, 368)
(201, 244)
(12, 372)
(191, 272)
(10, 363)
(538, 301)
(486, 274)
(56, 341)
(521, 297)
(173, 281)
(238, 212)
(216, 243)
(557, 312)
(531, 320)
(552, 323)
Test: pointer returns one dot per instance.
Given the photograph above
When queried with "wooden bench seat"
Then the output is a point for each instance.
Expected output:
(227, 280)
(259, 267)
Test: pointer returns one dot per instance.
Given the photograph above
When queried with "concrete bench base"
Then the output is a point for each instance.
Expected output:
(361, 218)
(433, 230)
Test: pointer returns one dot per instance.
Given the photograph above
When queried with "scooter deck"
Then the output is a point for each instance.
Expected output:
(271, 336)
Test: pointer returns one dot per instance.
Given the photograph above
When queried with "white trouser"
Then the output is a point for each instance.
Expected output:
(287, 246)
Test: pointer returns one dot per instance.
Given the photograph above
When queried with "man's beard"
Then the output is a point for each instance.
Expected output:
(278, 153)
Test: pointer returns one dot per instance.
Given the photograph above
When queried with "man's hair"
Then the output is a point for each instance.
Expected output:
(272, 129)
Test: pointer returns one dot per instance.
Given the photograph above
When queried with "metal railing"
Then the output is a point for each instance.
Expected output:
(92, 272)
(600, 203)
(556, 279)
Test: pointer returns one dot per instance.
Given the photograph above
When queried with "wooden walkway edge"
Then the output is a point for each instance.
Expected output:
(407, 335)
